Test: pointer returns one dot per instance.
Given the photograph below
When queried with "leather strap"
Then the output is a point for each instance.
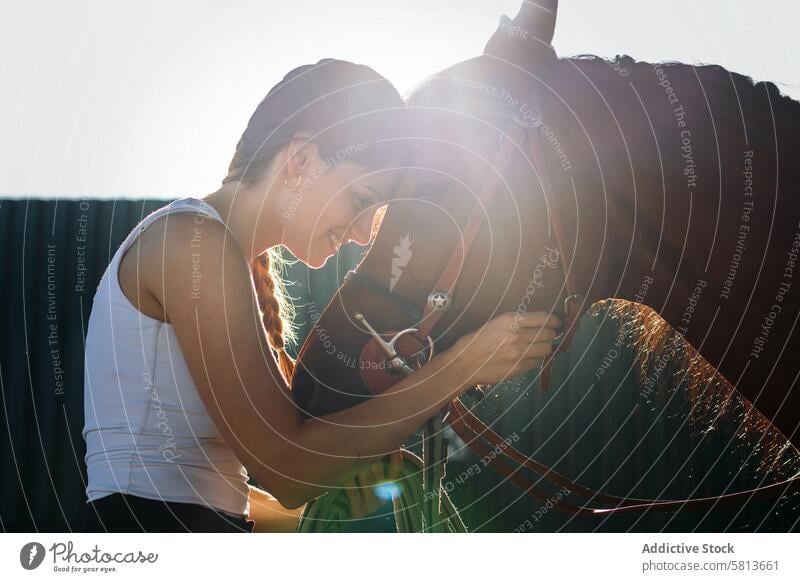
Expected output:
(478, 430)
(472, 431)
(572, 311)
(449, 278)
(507, 470)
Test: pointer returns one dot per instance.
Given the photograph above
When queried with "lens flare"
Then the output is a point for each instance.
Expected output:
(387, 490)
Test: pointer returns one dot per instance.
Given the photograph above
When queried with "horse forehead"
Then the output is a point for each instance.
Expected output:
(450, 158)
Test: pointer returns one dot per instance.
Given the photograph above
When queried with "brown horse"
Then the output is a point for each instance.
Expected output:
(673, 186)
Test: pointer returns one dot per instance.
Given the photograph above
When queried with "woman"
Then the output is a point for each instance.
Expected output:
(182, 391)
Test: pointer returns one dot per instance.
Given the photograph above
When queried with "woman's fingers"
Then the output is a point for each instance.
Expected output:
(516, 347)
(524, 366)
(378, 474)
(537, 351)
(507, 346)
(538, 334)
(380, 477)
(536, 319)
(395, 465)
(354, 498)
(366, 481)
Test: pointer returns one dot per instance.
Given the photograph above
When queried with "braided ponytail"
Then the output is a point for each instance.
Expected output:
(274, 307)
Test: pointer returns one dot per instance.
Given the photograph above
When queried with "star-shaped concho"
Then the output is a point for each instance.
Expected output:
(439, 300)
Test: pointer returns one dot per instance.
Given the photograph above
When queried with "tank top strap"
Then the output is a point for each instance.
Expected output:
(186, 204)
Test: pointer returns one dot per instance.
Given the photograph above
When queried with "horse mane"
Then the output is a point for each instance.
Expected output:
(710, 394)
(665, 362)
(623, 64)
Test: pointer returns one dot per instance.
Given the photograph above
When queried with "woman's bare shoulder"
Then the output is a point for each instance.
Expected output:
(159, 251)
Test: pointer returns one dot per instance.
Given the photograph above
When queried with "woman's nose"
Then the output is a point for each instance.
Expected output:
(361, 229)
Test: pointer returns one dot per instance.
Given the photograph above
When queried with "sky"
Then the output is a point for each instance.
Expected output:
(113, 98)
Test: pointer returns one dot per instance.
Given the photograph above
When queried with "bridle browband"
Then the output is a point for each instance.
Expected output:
(503, 457)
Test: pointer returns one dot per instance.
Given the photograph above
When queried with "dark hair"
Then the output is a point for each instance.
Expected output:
(341, 104)
(353, 114)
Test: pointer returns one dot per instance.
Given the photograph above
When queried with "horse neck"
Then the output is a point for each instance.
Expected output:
(515, 264)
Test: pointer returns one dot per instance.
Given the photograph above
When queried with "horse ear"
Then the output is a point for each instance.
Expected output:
(526, 40)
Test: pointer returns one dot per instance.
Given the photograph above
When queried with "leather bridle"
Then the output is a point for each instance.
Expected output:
(507, 460)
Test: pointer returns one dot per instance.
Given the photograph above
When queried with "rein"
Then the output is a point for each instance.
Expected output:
(507, 460)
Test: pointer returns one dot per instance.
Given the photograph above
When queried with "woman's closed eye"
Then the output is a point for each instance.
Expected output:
(363, 202)
(432, 190)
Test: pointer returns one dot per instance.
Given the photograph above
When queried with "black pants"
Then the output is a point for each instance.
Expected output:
(120, 512)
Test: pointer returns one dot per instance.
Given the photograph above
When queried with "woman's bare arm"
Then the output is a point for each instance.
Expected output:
(205, 287)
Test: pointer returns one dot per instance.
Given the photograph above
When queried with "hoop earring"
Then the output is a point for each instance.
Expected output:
(296, 187)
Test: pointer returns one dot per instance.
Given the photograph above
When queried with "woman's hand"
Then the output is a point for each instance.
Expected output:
(269, 515)
(509, 345)
(360, 488)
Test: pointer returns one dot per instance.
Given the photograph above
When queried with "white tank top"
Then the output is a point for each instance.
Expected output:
(147, 431)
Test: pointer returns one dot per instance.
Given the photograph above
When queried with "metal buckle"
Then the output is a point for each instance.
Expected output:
(569, 300)
(395, 361)
(572, 300)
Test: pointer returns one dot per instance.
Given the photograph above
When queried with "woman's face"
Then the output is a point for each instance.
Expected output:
(333, 205)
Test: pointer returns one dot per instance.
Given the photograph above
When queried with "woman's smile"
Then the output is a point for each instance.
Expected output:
(334, 240)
